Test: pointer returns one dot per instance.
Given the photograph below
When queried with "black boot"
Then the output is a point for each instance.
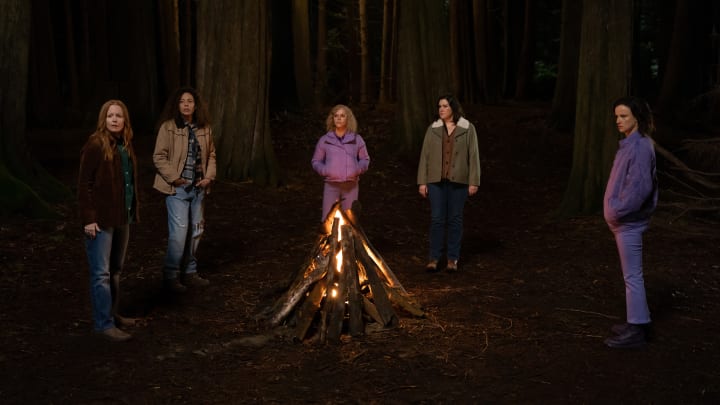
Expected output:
(633, 336)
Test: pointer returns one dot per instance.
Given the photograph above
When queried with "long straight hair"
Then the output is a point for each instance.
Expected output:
(107, 139)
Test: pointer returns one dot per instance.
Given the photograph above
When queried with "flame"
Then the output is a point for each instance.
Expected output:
(339, 256)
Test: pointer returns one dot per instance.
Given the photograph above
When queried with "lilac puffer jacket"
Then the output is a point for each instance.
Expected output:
(341, 159)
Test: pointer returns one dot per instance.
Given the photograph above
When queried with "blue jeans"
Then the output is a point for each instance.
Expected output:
(628, 238)
(447, 200)
(185, 227)
(106, 257)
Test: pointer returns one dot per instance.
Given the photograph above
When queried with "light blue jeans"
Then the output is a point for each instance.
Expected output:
(106, 257)
(628, 238)
(447, 200)
(185, 228)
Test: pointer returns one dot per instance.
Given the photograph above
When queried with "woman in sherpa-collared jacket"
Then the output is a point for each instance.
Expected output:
(448, 172)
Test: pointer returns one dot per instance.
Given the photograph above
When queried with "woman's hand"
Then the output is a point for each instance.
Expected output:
(91, 230)
(422, 189)
(179, 182)
(203, 183)
(472, 190)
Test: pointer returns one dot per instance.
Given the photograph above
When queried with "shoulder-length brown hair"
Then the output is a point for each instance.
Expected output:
(454, 105)
(107, 140)
(351, 124)
(201, 117)
(640, 109)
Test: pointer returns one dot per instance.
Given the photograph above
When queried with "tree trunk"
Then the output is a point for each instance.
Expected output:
(562, 115)
(364, 55)
(301, 51)
(25, 184)
(169, 40)
(604, 75)
(392, 59)
(321, 61)
(384, 60)
(233, 70)
(679, 55)
(487, 51)
(525, 67)
(423, 74)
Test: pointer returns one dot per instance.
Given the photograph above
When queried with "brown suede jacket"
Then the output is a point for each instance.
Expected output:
(100, 191)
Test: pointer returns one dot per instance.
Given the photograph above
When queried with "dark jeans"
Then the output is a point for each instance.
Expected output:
(447, 200)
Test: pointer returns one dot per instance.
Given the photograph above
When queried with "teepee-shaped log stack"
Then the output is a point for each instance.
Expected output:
(344, 282)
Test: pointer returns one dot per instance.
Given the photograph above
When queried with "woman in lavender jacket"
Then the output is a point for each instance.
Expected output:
(630, 199)
(340, 157)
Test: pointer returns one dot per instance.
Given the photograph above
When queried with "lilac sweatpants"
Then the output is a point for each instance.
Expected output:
(628, 238)
(346, 191)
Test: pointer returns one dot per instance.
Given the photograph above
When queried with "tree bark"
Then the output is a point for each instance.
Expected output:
(321, 59)
(562, 115)
(384, 59)
(423, 74)
(169, 40)
(301, 51)
(487, 51)
(525, 67)
(26, 185)
(364, 54)
(233, 64)
(604, 75)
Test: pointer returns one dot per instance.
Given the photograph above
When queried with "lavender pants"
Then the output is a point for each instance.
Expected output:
(628, 238)
(346, 191)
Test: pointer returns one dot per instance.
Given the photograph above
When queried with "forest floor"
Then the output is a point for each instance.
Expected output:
(523, 321)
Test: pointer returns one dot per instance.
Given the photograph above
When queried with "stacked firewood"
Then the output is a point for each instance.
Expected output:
(343, 285)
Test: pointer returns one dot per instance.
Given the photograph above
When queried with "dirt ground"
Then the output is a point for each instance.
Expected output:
(523, 321)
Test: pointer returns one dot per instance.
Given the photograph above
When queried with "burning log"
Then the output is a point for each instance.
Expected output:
(344, 281)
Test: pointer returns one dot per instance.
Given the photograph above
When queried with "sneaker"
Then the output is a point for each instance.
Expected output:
(432, 266)
(194, 280)
(452, 265)
(632, 337)
(173, 285)
(114, 335)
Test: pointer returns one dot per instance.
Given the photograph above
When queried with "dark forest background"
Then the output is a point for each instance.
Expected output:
(255, 61)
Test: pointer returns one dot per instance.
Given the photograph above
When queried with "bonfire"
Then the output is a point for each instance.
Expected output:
(343, 285)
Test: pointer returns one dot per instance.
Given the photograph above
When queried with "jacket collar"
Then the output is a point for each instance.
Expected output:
(349, 136)
(462, 123)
